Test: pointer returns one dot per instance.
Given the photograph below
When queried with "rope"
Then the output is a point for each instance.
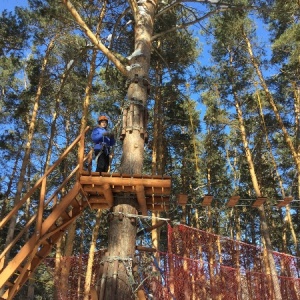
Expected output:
(127, 262)
(133, 101)
(139, 216)
(113, 258)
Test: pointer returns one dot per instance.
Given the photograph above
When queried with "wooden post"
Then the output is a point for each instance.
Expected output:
(81, 153)
(140, 192)
(41, 209)
(107, 192)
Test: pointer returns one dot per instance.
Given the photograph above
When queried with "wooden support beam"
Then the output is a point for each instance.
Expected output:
(154, 207)
(99, 180)
(233, 201)
(146, 249)
(97, 200)
(141, 295)
(207, 199)
(90, 188)
(153, 199)
(140, 193)
(259, 201)
(149, 229)
(182, 199)
(107, 192)
(100, 206)
(285, 201)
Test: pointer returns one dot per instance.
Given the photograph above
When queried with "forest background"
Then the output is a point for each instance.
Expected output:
(225, 120)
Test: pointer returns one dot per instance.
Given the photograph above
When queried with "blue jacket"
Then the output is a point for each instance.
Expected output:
(100, 140)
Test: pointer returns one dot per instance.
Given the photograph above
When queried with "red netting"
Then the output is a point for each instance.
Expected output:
(208, 266)
(199, 265)
(69, 274)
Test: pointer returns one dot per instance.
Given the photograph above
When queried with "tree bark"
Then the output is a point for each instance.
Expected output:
(264, 226)
(122, 231)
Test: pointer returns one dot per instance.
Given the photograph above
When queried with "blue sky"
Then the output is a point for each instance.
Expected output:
(11, 4)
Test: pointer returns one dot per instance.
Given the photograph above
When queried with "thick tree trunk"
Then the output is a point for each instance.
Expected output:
(122, 231)
(117, 281)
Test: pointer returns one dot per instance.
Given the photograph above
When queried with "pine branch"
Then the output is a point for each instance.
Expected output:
(94, 39)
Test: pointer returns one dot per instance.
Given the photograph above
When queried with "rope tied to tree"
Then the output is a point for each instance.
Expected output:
(111, 259)
(138, 216)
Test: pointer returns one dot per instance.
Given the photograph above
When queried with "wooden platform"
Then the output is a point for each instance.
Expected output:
(152, 191)
(285, 201)
(259, 201)
(233, 201)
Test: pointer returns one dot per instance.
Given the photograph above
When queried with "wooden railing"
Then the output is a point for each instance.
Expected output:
(43, 202)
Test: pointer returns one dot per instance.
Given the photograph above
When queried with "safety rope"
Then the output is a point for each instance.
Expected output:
(127, 262)
(138, 216)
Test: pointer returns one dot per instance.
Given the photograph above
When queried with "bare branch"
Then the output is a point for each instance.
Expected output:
(134, 8)
(186, 24)
(168, 7)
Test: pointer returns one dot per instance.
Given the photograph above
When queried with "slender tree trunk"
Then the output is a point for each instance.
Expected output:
(86, 104)
(70, 234)
(211, 257)
(297, 128)
(264, 227)
(31, 281)
(88, 275)
(55, 113)
(58, 267)
(65, 267)
(292, 229)
(157, 149)
(89, 86)
(269, 144)
(239, 281)
(6, 195)
(272, 103)
(31, 130)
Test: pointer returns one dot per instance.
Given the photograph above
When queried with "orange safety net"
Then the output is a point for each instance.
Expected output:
(69, 274)
(198, 266)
